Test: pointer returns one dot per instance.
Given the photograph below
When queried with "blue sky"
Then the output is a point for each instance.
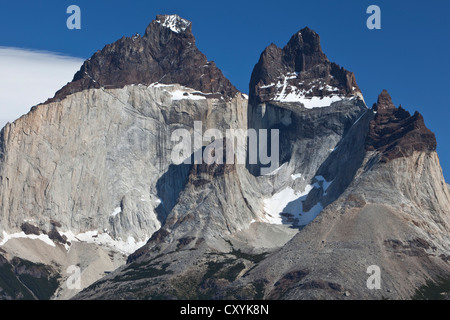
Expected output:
(409, 56)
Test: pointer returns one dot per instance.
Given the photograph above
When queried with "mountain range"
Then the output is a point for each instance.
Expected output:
(88, 179)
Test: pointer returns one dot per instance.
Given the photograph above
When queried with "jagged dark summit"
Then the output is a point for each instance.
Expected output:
(303, 65)
(395, 133)
(165, 54)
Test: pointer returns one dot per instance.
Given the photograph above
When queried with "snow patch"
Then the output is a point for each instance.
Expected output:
(181, 94)
(298, 95)
(296, 176)
(307, 217)
(175, 23)
(284, 201)
(159, 85)
(43, 237)
(136, 36)
(286, 206)
(178, 92)
(116, 211)
(267, 86)
(104, 239)
(309, 102)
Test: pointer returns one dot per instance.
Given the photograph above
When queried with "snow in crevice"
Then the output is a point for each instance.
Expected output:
(116, 211)
(296, 176)
(282, 95)
(277, 204)
(181, 94)
(360, 117)
(286, 206)
(178, 92)
(308, 102)
(136, 36)
(294, 94)
(267, 86)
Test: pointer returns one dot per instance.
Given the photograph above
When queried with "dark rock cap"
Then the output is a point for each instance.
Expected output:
(307, 66)
(384, 102)
(166, 54)
(395, 133)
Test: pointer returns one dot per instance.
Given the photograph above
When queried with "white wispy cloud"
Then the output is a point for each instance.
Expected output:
(29, 77)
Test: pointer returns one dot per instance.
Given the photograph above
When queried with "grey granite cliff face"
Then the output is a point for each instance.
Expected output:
(97, 167)
(94, 160)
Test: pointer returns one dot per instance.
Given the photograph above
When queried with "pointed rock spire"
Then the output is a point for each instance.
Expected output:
(303, 51)
(395, 133)
(299, 71)
(384, 102)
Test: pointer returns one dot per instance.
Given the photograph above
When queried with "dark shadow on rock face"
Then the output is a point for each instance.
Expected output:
(285, 140)
(339, 169)
(342, 164)
(2, 143)
(169, 187)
